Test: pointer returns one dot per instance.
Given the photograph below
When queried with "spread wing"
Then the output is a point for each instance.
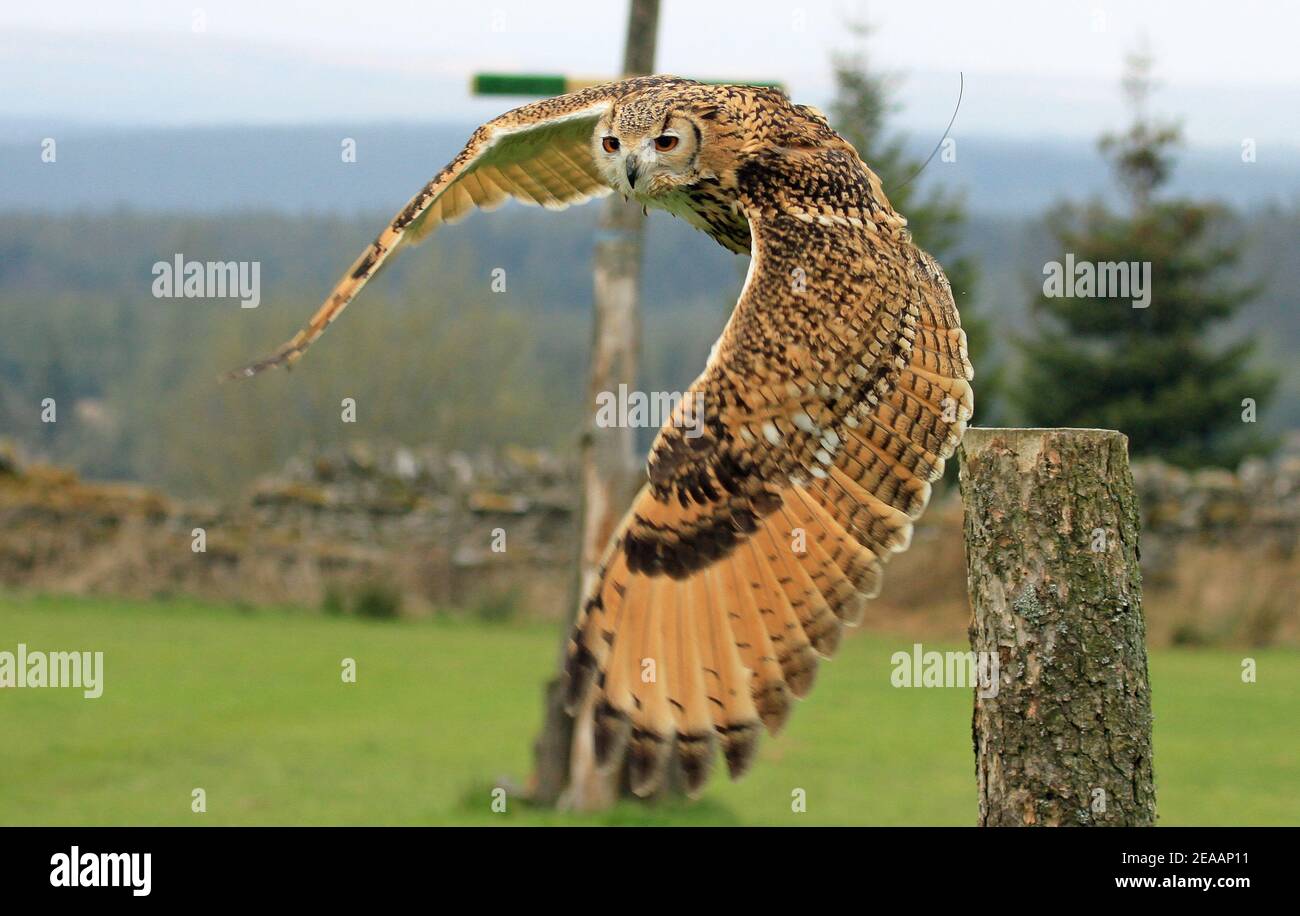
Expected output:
(537, 154)
(833, 397)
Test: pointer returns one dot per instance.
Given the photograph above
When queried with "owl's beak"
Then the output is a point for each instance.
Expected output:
(631, 164)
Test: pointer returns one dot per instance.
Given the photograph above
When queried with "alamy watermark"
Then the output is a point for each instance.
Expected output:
(82, 670)
(182, 279)
(640, 409)
(103, 869)
(1098, 280)
(920, 668)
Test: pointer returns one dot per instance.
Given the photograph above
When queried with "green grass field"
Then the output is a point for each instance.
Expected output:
(251, 708)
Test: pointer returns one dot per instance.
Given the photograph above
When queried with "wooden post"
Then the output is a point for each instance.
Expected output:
(566, 771)
(1056, 596)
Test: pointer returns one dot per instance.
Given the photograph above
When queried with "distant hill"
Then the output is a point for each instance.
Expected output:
(300, 169)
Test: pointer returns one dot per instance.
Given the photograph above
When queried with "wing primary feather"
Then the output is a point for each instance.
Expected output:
(849, 567)
(650, 744)
(768, 687)
(736, 718)
(616, 706)
(589, 646)
(818, 620)
(695, 738)
(794, 653)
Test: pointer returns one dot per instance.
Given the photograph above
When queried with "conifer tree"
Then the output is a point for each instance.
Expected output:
(1164, 372)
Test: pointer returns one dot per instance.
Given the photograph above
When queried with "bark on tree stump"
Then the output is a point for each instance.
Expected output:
(1056, 593)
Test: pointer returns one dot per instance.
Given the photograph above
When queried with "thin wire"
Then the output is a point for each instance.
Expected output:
(961, 89)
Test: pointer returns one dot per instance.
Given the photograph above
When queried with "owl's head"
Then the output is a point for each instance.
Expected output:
(647, 150)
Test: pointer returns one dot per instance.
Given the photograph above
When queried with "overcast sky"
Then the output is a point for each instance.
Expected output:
(1032, 68)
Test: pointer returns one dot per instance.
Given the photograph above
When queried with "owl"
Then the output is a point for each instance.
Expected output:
(837, 389)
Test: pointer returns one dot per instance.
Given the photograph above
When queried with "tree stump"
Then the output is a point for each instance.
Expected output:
(1056, 594)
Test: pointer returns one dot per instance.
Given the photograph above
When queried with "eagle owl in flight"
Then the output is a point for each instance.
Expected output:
(836, 391)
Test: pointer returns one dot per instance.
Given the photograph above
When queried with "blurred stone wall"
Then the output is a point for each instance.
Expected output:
(361, 529)
(395, 530)
(1220, 562)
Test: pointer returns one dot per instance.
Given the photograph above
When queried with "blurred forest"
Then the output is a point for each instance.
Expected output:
(1162, 373)
(430, 353)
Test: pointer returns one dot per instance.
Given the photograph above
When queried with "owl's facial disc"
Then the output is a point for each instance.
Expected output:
(646, 163)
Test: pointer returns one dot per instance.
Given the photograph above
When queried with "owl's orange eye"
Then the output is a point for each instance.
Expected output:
(609, 144)
(665, 142)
